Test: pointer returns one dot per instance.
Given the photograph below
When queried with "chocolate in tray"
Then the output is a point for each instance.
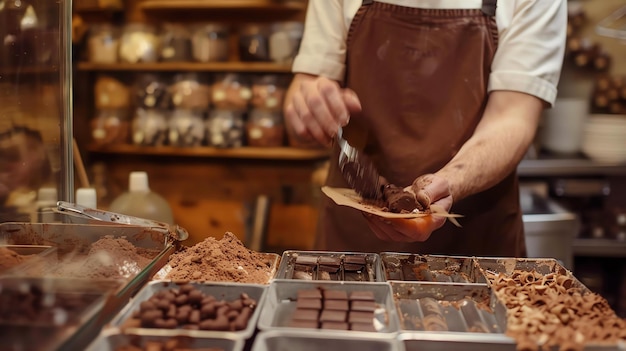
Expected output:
(343, 306)
(448, 307)
(430, 268)
(193, 309)
(327, 266)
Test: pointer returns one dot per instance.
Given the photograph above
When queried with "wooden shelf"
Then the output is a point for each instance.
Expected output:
(249, 5)
(260, 153)
(234, 66)
(86, 9)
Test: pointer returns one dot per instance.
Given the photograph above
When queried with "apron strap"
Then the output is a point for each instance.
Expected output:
(489, 7)
(366, 2)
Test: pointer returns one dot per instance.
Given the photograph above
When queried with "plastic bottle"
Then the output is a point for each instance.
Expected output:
(140, 201)
(87, 197)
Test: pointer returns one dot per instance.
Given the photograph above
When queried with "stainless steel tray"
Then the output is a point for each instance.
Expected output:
(227, 291)
(162, 273)
(454, 308)
(430, 268)
(337, 266)
(111, 340)
(415, 341)
(280, 303)
(72, 326)
(305, 341)
(41, 256)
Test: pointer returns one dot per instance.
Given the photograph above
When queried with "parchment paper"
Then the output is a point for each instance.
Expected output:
(348, 197)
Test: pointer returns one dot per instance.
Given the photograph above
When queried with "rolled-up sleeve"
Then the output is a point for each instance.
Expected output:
(530, 52)
(323, 48)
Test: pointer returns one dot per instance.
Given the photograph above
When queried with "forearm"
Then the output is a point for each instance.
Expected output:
(497, 146)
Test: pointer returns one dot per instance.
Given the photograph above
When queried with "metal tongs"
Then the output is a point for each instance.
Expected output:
(174, 231)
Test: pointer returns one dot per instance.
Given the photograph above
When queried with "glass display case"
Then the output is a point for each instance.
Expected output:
(35, 107)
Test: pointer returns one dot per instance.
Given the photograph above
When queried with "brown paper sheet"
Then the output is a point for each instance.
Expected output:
(348, 197)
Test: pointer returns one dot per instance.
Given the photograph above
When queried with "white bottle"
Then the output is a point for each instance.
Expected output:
(140, 201)
(87, 197)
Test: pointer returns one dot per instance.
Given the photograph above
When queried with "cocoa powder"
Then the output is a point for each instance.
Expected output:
(10, 259)
(226, 259)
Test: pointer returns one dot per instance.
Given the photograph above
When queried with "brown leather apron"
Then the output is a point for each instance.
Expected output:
(421, 76)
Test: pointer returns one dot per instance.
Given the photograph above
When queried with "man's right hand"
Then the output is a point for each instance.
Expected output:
(315, 108)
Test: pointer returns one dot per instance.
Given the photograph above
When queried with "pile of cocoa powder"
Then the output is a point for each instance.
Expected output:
(109, 257)
(226, 259)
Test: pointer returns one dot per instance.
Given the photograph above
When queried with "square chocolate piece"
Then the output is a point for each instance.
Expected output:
(303, 324)
(336, 305)
(366, 327)
(330, 261)
(335, 295)
(309, 294)
(366, 306)
(354, 259)
(362, 296)
(361, 317)
(307, 260)
(333, 316)
(305, 315)
(314, 304)
(335, 325)
(353, 267)
(329, 269)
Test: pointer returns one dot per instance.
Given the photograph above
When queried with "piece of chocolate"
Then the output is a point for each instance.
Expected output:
(335, 295)
(307, 260)
(398, 200)
(303, 324)
(315, 304)
(336, 305)
(360, 260)
(330, 261)
(353, 267)
(362, 295)
(329, 269)
(333, 316)
(335, 325)
(366, 306)
(309, 294)
(366, 327)
(360, 317)
(305, 315)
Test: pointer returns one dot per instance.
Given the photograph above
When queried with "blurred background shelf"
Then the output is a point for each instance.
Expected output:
(247, 5)
(260, 153)
(232, 66)
(599, 247)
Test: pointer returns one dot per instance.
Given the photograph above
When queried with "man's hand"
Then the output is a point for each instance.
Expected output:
(315, 108)
(429, 190)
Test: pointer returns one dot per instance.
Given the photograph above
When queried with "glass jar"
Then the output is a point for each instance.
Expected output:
(110, 126)
(103, 43)
(265, 128)
(268, 92)
(284, 41)
(151, 92)
(186, 128)
(225, 128)
(175, 43)
(230, 91)
(253, 43)
(210, 43)
(189, 92)
(149, 127)
(139, 43)
(111, 93)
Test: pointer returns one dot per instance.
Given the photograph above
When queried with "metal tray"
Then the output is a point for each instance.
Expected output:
(305, 341)
(41, 256)
(71, 327)
(280, 304)
(111, 340)
(430, 268)
(162, 273)
(227, 291)
(464, 308)
(337, 266)
(415, 341)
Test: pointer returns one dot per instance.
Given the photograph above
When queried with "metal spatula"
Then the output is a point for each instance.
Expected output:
(358, 170)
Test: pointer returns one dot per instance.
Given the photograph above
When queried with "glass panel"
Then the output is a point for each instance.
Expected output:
(35, 107)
